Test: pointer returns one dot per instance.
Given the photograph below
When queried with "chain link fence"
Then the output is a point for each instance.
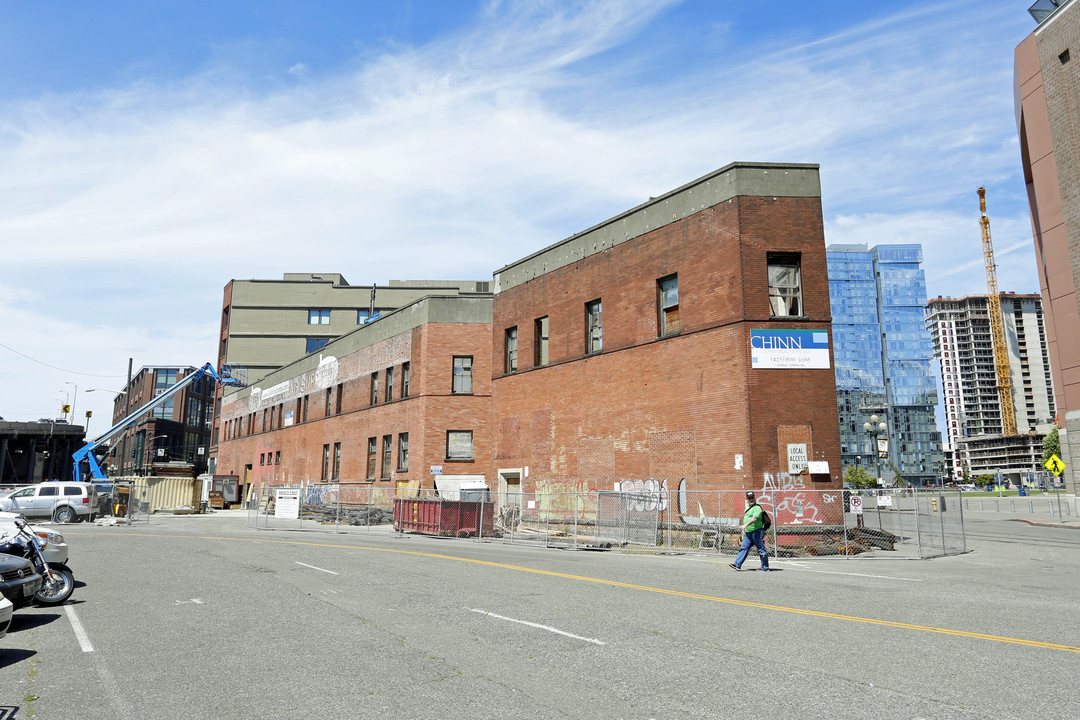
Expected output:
(329, 506)
(879, 523)
(906, 523)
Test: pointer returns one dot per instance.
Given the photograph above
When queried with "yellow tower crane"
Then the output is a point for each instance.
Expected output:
(997, 327)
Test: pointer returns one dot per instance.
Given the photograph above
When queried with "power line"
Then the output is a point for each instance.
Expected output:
(73, 372)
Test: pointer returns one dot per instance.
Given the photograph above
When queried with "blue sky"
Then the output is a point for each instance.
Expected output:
(150, 152)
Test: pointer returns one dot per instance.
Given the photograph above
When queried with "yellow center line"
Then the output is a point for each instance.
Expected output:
(676, 593)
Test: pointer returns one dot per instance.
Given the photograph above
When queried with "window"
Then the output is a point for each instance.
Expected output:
(668, 305)
(594, 329)
(265, 415)
(327, 405)
(277, 457)
(337, 403)
(785, 284)
(262, 458)
(304, 414)
(389, 384)
(404, 380)
(387, 448)
(511, 350)
(540, 342)
(314, 344)
(318, 317)
(459, 444)
(325, 462)
(337, 460)
(225, 319)
(403, 452)
(374, 389)
(462, 374)
(371, 458)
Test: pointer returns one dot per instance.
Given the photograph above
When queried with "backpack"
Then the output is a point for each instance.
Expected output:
(766, 521)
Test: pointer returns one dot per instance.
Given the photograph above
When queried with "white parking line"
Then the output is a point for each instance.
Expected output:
(537, 625)
(80, 634)
(316, 568)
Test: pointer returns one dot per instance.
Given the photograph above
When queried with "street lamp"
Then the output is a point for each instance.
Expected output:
(873, 429)
(74, 398)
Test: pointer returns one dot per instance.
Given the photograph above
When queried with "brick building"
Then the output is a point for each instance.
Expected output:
(685, 340)
(174, 437)
(379, 405)
(1047, 92)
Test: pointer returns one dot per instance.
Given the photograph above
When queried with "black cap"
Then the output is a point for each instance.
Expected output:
(749, 493)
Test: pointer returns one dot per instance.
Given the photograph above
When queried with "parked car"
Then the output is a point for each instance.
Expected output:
(18, 580)
(55, 549)
(6, 611)
(61, 501)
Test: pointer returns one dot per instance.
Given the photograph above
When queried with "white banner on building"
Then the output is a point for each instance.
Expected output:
(789, 349)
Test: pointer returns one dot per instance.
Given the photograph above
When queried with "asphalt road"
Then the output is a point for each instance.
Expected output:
(202, 617)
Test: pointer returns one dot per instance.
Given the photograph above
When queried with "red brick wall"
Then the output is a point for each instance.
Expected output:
(428, 412)
(684, 406)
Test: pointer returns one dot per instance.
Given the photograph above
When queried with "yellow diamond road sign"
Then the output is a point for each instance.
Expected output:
(1055, 465)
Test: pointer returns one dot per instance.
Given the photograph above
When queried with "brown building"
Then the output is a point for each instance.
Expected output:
(174, 437)
(1048, 116)
(383, 404)
(686, 340)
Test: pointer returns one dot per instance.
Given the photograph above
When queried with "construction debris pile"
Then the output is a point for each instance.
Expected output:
(346, 514)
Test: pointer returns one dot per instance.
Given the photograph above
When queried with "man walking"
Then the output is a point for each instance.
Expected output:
(753, 534)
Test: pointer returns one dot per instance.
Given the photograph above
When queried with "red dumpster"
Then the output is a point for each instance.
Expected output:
(447, 518)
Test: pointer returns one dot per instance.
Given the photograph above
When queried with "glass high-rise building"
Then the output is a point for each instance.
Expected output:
(884, 361)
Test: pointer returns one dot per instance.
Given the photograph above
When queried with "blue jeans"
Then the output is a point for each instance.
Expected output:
(757, 539)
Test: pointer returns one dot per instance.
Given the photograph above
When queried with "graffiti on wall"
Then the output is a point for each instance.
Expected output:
(646, 494)
(793, 503)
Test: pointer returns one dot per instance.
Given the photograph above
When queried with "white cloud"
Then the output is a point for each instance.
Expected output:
(127, 211)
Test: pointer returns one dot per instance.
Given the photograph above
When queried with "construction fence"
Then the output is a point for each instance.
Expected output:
(905, 523)
(893, 523)
(319, 506)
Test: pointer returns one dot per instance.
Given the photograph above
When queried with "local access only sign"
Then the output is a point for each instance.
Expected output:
(789, 349)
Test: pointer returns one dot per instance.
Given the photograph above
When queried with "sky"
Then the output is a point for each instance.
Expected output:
(151, 152)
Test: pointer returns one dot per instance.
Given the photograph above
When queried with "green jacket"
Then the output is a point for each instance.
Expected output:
(752, 516)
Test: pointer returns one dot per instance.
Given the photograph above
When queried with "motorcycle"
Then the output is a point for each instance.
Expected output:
(58, 582)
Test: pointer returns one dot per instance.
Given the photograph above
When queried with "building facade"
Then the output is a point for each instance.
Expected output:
(963, 344)
(266, 324)
(684, 342)
(884, 360)
(387, 405)
(1047, 92)
(174, 438)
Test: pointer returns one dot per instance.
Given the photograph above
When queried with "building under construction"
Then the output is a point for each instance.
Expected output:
(964, 346)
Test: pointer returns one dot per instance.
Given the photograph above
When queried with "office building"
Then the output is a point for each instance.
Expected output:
(884, 359)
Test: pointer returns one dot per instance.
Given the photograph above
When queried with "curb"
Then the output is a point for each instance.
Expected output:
(1045, 524)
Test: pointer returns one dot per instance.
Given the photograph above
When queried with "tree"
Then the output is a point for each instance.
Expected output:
(898, 479)
(857, 477)
(984, 480)
(1051, 445)
(965, 473)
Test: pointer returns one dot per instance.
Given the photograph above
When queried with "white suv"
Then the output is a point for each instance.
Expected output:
(63, 502)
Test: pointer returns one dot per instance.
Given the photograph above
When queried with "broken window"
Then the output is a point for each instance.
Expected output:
(462, 383)
(668, 305)
(594, 329)
(511, 350)
(540, 342)
(785, 284)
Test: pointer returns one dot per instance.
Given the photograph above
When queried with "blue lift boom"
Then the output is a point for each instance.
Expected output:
(229, 375)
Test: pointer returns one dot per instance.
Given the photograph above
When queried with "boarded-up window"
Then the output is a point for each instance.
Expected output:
(459, 445)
